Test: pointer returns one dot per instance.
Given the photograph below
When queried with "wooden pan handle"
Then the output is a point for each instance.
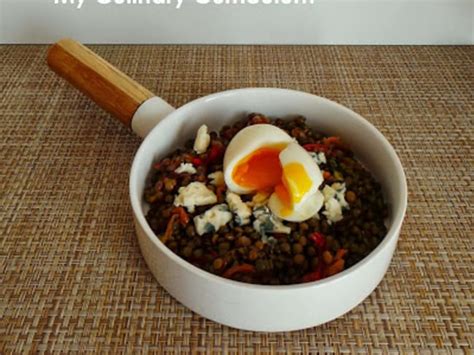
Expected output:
(111, 89)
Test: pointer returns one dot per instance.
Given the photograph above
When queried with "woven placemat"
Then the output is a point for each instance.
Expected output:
(71, 274)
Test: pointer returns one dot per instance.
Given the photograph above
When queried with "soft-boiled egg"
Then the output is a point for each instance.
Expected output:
(264, 158)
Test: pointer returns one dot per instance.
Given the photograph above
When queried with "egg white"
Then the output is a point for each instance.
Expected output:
(306, 210)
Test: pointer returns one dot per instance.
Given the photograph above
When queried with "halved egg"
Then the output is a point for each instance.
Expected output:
(264, 158)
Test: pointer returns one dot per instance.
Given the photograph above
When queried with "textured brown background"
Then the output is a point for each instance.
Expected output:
(71, 273)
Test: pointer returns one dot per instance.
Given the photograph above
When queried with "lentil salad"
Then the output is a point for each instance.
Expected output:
(270, 252)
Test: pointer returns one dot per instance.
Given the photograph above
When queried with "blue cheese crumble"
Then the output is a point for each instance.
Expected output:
(217, 178)
(319, 158)
(186, 168)
(202, 141)
(266, 223)
(334, 201)
(213, 219)
(241, 211)
(259, 199)
(194, 194)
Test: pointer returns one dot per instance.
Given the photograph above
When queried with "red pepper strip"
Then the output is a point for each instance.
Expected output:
(334, 268)
(332, 140)
(340, 253)
(220, 193)
(169, 228)
(318, 239)
(316, 147)
(216, 151)
(326, 175)
(245, 268)
(183, 216)
(157, 166)
(313, 276)
(197, 161)
(335, 142)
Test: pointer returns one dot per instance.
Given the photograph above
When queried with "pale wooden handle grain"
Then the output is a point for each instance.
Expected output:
(111, 89)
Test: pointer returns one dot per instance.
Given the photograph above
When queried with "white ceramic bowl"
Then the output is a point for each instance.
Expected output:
(240, 305)
(259, 307)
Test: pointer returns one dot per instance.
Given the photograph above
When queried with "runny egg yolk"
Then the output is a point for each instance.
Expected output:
(296, 180)
(262, 171)
(295, 184)
(285, 199)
